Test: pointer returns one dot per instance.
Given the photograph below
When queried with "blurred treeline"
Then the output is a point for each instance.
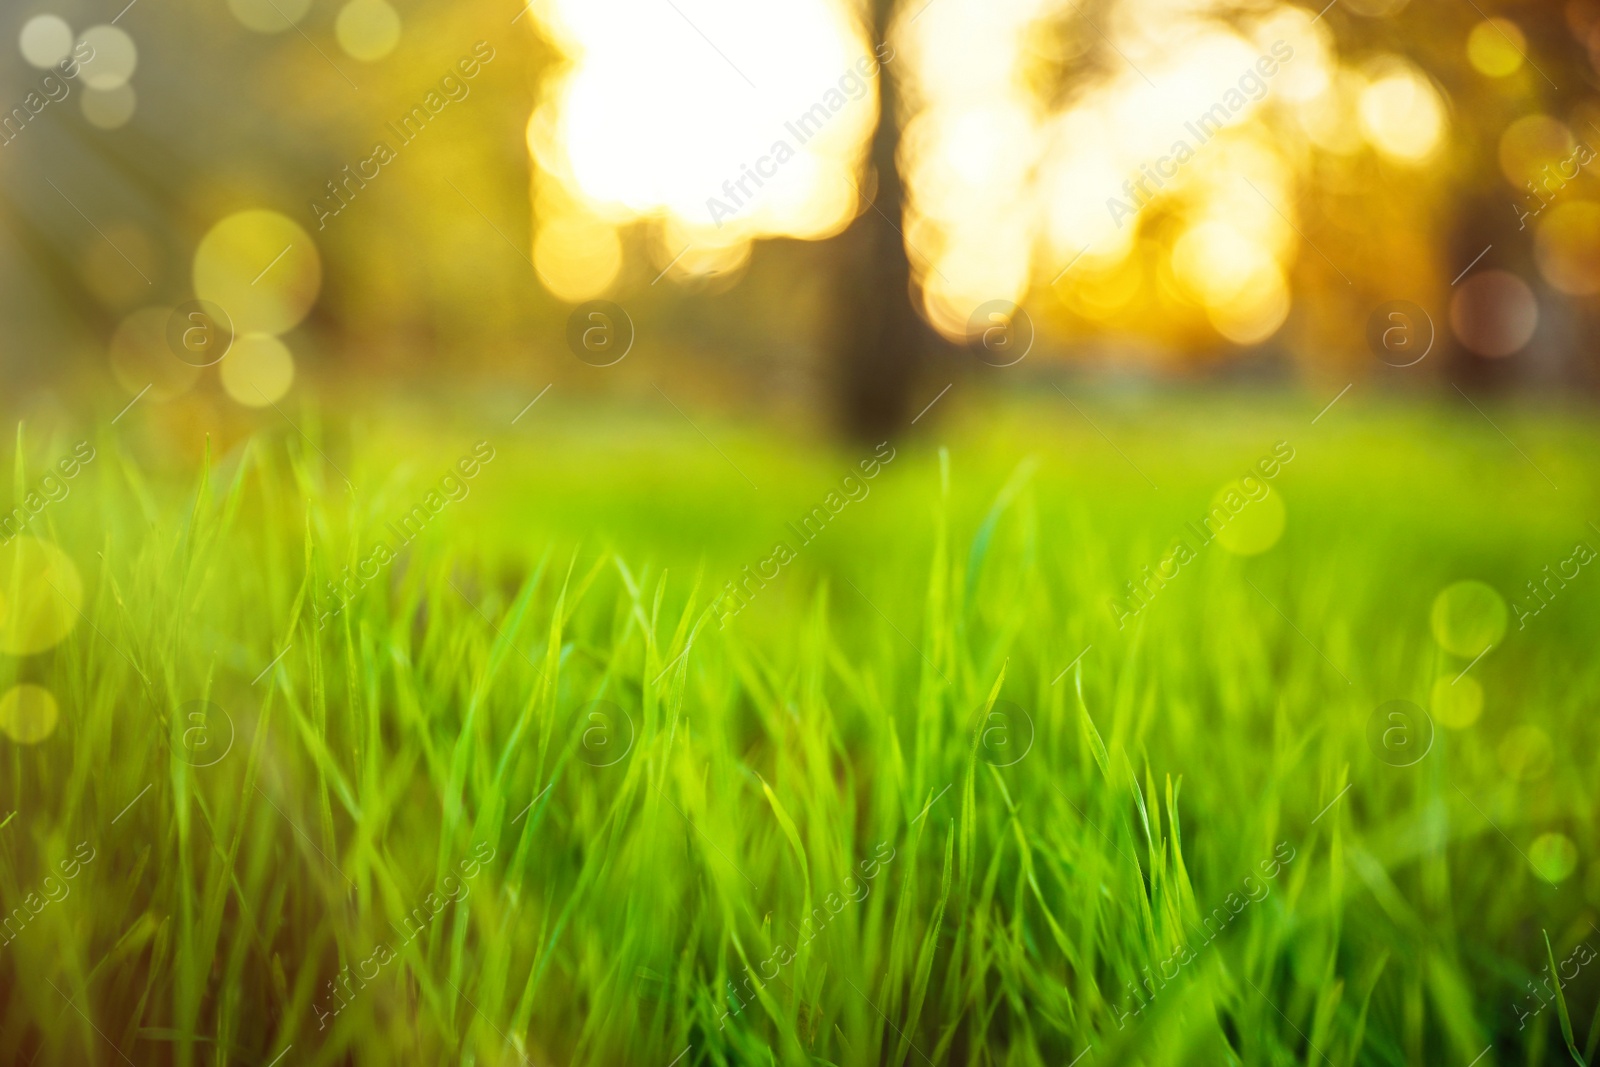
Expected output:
(427, 279)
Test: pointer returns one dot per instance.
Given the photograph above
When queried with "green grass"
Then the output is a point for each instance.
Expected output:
(839, 726)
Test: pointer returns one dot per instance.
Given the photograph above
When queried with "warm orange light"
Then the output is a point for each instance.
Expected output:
(686, 113)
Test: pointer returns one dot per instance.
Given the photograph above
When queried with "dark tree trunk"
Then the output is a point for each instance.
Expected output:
(1483, 220)
(880, 335)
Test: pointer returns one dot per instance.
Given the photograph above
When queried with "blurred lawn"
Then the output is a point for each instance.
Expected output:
(741, 779)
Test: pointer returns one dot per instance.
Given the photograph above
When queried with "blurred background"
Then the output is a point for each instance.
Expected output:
(815, 211)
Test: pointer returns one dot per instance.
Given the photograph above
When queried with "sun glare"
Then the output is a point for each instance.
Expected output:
(1167, 177)
(1183, 131)
(690, 115)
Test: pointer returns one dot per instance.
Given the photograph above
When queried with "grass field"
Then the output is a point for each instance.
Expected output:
(525, 785)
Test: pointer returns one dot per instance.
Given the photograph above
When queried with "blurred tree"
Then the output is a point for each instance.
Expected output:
(1420, 232)
(880, 336)
(1555, 77)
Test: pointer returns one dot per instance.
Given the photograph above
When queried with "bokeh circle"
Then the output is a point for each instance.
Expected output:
(1494, 314)
(1468, 618)
(1567, 247)
(1495, 47)
(28, 714)
(1554, 857)
(367, 30)
(45, 40)
(41, 595)
(1254, 525)
(1456, 701)
(259, 371)
(262, 267)
(114, 58)
(109, 109)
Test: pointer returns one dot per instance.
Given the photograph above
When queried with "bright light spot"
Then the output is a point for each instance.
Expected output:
(1309, 73)
(1568, 247)
(975, 160)
(577, 257)
(367, 30)
(257, 371)
(140, 356)
(1468, 617)
(45, 41)
(1256, 313)
(261, 268)
(114, 60)
(1494, 313)
(1457, 700)
(1331, 120)
(970, 269)
(1495, 47)
(1111, 181)
(40, 596)
(727, 162)
(1216, 262)
(1401, 115)
(1004, 185)
(28, 714)
(972, 199)
(109, 109)
(269, 16)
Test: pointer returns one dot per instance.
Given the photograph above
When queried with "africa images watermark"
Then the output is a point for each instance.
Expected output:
(55, 890)
(852, 85)
(453, 488)
(1582, 155)
(342, 191)
(53, 89)
(735, 598)
(1577, 958)
(417, 921)
(1252, 86)
(50, 490)
(1220, 917)
(1541, 595)
(782, 956)
(1233, 500)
